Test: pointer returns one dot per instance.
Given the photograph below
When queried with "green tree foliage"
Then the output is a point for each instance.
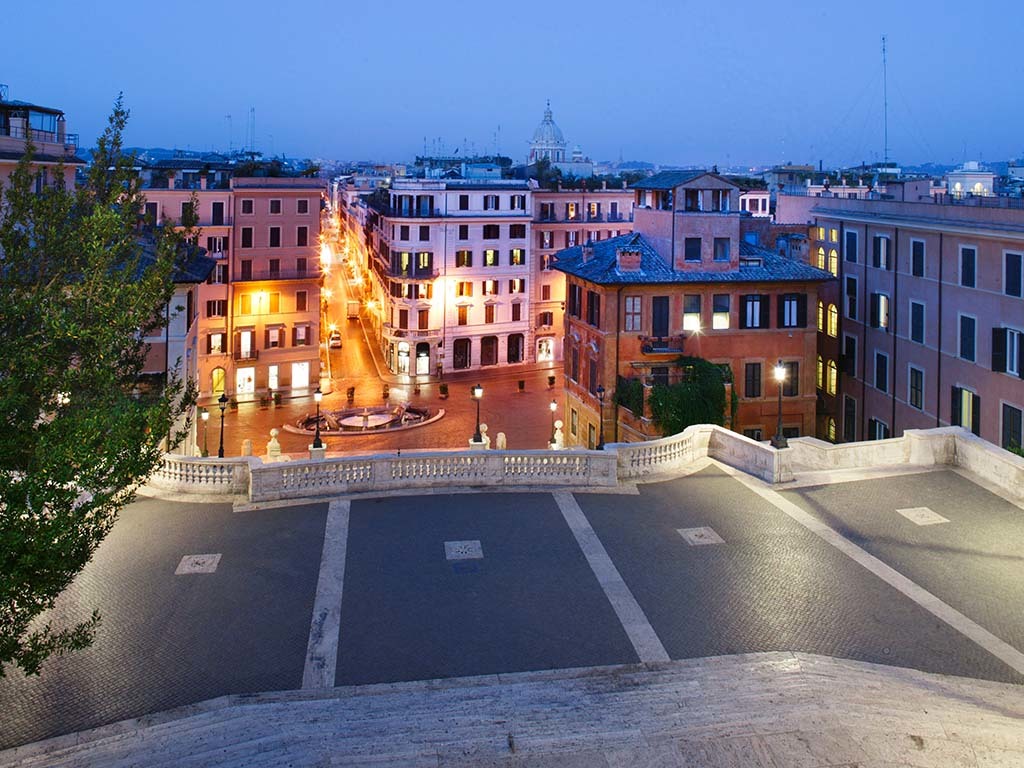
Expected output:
(697, 398)
(80, 286)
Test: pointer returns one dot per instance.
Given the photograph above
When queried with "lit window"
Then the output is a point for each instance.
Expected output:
(833, 320)
(833, 262)
(720, 309)
(821, 233)
(691, 313)
(821, 258)
(820, 378)
(833, 376)
(833, 235)
(831, 430)
(821, 316)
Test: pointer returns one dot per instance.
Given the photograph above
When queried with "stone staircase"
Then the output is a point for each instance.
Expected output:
(770, 710)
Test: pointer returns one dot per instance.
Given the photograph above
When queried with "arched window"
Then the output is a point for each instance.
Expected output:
(821, 373)
(833, 320)
(831, 430)
(217, 379)
(821, 316)
(821, 258)
(833, 375)
(833, 262)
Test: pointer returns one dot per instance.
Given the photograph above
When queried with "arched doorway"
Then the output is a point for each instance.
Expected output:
(460, 353)
(403, 357)
(545, 349)
(217, 379)
(423, 358)
(489, 350)
(516, 345)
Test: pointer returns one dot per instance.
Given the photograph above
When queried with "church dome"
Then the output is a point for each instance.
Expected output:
(548, 134)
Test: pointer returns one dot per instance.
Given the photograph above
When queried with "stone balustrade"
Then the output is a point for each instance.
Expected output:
(582, 468)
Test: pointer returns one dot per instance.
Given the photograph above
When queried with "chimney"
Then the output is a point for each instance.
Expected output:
(588, 251)
(627, 259)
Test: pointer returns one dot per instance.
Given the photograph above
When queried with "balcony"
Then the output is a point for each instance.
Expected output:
(595, 216)
(277, 274)
(412, 274)
(241, 354)
(69, 140)
(619, 217)
(661, 345)
(411, 333)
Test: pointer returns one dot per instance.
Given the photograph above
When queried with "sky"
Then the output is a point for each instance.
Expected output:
(669, 81)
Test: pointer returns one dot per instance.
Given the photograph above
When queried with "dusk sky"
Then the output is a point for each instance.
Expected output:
(671, 81)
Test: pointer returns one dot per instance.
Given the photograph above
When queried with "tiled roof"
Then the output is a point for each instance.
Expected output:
(602, 266)
(42, 157)
(667, 179)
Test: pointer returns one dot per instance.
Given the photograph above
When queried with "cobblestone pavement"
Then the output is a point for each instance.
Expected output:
(744, 578)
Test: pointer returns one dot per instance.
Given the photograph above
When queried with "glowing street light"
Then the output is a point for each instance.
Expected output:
(205, 416)
(600, 428)
(318, 396)
(554, 407)
(778, 441)
(478, 393)
(223, 402)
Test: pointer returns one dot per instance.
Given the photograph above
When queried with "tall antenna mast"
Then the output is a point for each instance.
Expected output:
(885, 106)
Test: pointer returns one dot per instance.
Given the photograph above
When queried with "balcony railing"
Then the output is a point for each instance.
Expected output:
(70, 140)
(595, 216)
(660, 345)
(241, 354)
(278, 274)
(411, 333)
(412, 274)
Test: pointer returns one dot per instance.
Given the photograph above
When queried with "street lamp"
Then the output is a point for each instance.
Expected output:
(478, 392)
(318, 396)
(778, 441)
(600, 427)
(223, 401)
(554, 407)
(205, 416)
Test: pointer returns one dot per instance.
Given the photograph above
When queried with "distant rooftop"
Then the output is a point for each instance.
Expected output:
(668, 179)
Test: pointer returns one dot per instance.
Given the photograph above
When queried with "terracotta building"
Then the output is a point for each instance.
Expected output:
(688, 281)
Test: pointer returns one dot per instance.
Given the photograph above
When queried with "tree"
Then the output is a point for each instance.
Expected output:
(698, 397)
(81, 285)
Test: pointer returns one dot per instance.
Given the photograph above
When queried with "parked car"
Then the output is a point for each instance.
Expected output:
(334, 340)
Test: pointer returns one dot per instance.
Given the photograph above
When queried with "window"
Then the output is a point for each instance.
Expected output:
(968, 326)
(917, 258)
(917, 322)
(574, 364)
(424, 233)
(188, 214)
(594, 308)
(300, 336)
(830, 429)
(754, 312)
(965, 410)
(850, 251)
(820, 263)
(492, 231)
(791, 385)
(491, 258)
(302, 236)
(570, 238)
(1008, 351)
(463, 202)
(792, 310)
(546, 239)
(821, 233)
(517, 202)
(274, 300)
(275, 237)
(720, 311)
(849, 419)
(246, 269)
(880, 252)
(490, 288)
(633, 314)
(1012, 418)
(819, 373)
(517, 312)
(464, 288)
(273, 338)
(215, 344)
(915, 395)
(423, 319)
(691, 312)
(462, 312)
(833, 235)
(274, 269)
(832, 377)
(821, 317)
(592, 376)
(574, 421)
(517, 231)
(881, 372)
(275, 207)
(877, 430)
(833, 320)
(424, 261)
(850, 355)
(300, 301)
(517, 257)
(463, 258)
(219, 275)
(968, 257)
(721, 249)
(1013, 285)
(517, 285)
(575, 303)
(753, 434)
(247, 237)
(851, 298)
(752, 380)
(217, 308)
(490, 202)
(546, 318)
(880, 311)
(545, 293)
(302, 206)
(691, 249)
(403, 232)
(247, 207)
(463, 231)
(833, 262)
(488, 313)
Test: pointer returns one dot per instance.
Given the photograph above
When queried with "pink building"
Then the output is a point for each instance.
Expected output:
(931, 315)
(46, 128)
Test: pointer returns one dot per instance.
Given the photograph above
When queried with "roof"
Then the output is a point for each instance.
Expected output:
(668, 179)
(15, 104)
(602, 266)
(43, 157)
(196, 268)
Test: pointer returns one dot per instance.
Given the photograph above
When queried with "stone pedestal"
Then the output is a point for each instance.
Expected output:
(318, 453)
(477, 446)
(273, 447)
(247, 447)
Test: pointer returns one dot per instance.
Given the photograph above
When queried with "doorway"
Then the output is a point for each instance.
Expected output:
(423, 358)
(245, 381)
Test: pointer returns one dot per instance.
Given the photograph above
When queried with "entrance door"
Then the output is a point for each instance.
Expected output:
(272, 377)
(300, 375)
(423, 358)
(460, 356)
(217, 381)
(245, 381)
(403, 356)
(659, 316)
(545, 349)
(218, 214)
(515, 348)
(489, 350)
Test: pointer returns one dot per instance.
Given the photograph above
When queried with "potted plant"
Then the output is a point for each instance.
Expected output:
(233, 403)
(387, 391)
(350, 394)
(443, 390)
(277, 398)
(551, 382)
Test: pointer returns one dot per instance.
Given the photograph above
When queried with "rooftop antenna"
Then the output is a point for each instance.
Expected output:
(231, 146)
(885, 106)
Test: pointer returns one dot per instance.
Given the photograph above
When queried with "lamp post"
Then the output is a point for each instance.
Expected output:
(600, 423)
(205, 416)
(554, 407)
(478, 393)
(778, 441)
(318, 396)
(223, 401)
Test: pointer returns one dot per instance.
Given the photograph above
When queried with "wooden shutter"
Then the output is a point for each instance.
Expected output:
(801, 310)
(954, 407)
(875, 310)
(1020, 355)
(765, 312)
(876, 251)
(209, 343)
(999, 350)
(976, 415)
(780, 310)
(266, 338)
(743, 311)
(295, 337)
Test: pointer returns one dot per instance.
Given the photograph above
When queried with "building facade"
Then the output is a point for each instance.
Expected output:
(931, 316)
(688, 281)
